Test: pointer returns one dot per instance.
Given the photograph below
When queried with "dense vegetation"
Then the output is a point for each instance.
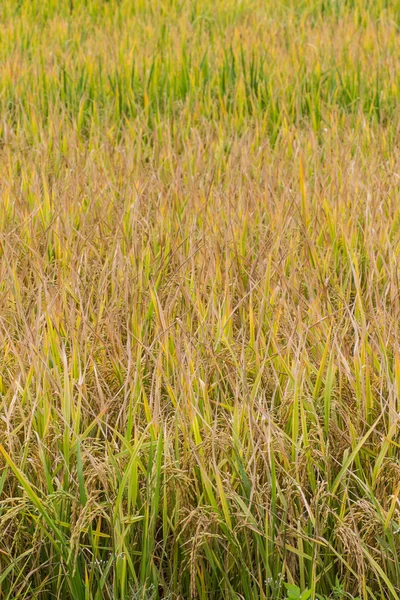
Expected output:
(199, 299)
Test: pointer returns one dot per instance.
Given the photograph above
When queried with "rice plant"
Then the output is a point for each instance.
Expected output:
(199, 299)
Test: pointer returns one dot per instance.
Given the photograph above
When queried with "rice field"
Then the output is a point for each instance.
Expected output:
(199, 299)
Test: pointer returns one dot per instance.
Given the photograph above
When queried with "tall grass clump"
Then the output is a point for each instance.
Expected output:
(199, 299)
